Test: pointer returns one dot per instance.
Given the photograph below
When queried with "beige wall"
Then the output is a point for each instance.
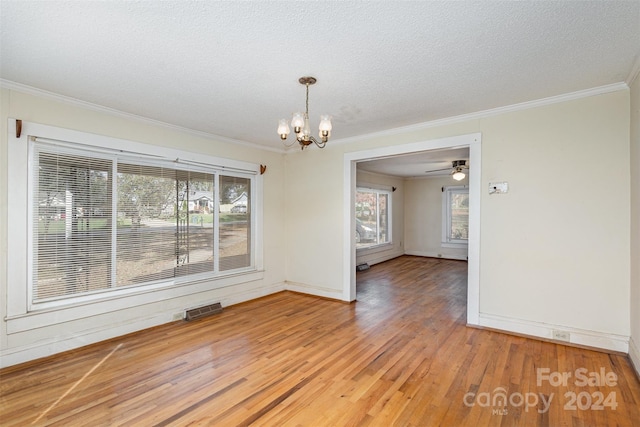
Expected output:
(313, 210)
(554, 250)
(634, 351)
(384, 253)
(45, 340)
(423, 218)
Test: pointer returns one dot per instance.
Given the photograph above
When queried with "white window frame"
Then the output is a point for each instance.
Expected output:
(22, 314)
(389, 193)
(447, 240)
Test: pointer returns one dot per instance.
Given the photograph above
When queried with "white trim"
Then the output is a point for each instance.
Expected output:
(113, 301)
(102, 142)
(388, 191)
(634, 355)
(29, 90)
(487, 113)
(313, 290)
(430, 254)
(17, 192)
(578, 336)
(446, 241)
(473, 141)
(377, 255)
(635, 71)
(50, 346)
(349, 179)
(382, 247)
(453, 245)
(473, 244)
(20, 316)
(18, 87)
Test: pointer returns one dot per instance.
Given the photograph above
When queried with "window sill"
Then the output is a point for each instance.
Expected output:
(454, 245)
(42, 317)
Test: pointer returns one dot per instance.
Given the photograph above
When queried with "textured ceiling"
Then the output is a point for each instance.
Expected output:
(231, 68)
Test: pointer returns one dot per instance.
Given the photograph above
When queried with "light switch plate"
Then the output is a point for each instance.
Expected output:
(498, 187)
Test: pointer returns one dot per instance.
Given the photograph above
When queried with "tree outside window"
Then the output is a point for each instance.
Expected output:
(373, 217)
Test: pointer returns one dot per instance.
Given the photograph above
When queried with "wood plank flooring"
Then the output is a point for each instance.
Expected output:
(400, 356)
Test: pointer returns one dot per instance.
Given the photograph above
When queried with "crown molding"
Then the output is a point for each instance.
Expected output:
(385, 133)
(600, 90)
(30, 90)
(635, 71)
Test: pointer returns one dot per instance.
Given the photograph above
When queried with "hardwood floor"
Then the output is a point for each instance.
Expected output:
(401, 355)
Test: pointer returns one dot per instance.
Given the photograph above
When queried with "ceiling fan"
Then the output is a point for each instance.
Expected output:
(457, 169)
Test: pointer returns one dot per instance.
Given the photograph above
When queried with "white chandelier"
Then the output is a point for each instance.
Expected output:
(300, 123)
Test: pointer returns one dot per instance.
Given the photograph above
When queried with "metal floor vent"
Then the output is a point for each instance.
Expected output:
(362, 267)
(200, 312)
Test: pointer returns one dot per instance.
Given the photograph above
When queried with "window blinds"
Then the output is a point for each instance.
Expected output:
(71, 224)
(101, 222)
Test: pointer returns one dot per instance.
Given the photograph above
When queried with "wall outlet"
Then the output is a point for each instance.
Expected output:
(561, 335)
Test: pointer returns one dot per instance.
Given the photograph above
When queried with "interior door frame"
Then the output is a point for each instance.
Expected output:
(473, 142)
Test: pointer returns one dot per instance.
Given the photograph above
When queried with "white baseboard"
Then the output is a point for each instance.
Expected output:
(15, 355)
(436, 255)
(314, 290)
(634, 355)
(373, 259)
(613, 342)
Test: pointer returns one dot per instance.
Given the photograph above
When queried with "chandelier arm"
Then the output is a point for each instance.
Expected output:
(320, 144)
(303, 132)
(292, 142)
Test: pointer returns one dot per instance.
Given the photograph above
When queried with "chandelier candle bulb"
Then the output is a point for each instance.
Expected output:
(297, 122)
(283, 129)
(325, 126)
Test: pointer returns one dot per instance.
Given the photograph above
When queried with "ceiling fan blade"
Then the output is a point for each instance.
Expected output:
(438, 170)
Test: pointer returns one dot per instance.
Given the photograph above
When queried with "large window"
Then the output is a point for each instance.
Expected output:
(455, 215)
(104, 221)
(373, 217)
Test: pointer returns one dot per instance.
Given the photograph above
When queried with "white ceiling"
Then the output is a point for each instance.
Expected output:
(231, 68)
(432, 163)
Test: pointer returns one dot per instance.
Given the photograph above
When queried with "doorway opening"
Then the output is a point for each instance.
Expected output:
(473, 143)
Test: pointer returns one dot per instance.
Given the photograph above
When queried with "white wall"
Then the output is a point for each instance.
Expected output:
(41, 341)
(386, 252)
(423, 218)
(634, 347)
(554, 250)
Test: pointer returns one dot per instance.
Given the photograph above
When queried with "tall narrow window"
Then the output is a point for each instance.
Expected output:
(71, 224)
(455, 215)
(104, 221)
(146, 224)
(195, 218)
(373, 217)
(235, 222)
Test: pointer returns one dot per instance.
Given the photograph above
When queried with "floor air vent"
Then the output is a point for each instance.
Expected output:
(200, 312)
(362, 267)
